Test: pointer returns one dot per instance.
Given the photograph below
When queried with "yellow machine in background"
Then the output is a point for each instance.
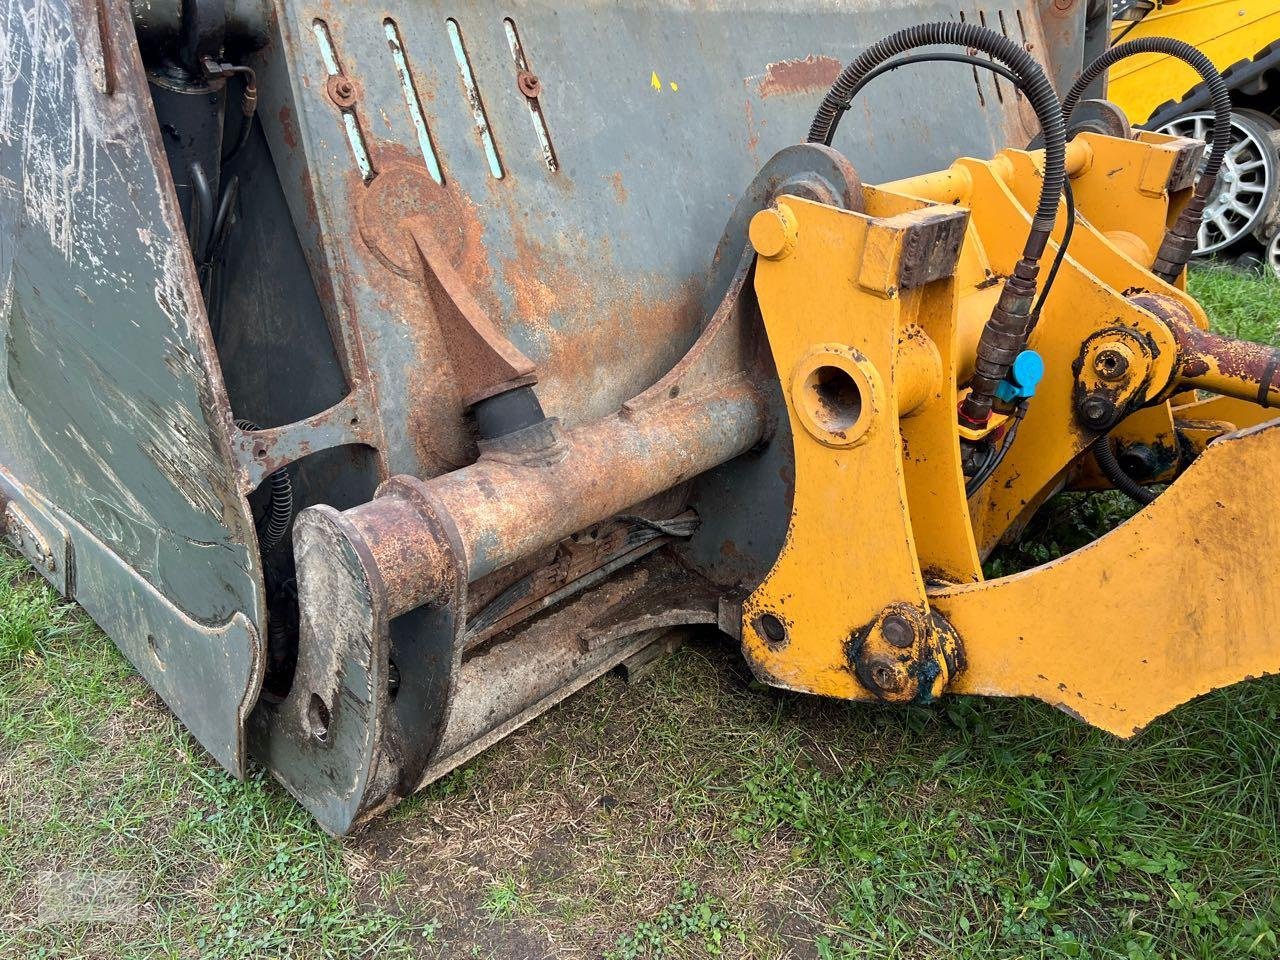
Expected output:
(1228, 32)
(1242, 39)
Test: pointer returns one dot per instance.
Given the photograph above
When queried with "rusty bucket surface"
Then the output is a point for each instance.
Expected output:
(457, 296)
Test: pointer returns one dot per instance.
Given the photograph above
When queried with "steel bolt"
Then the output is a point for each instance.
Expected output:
(1097, 411)
(897, 631)
(1111, 364)
(884, 676)
(342, 90)
(529, 83)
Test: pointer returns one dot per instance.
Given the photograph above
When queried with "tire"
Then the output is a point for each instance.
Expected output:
(1273, 254)
(1249, 185)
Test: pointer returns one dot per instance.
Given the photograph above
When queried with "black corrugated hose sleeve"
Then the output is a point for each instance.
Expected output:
(1034, 84)
(1198, 61)
(1182, 238)
(1114, 472)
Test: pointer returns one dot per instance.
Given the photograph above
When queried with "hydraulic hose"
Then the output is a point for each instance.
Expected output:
(978, 63)
(280, 508)
(1033, 83)
(1113, 471)
(1005, 334)
(248, 108)
(201, 211)
(1181, 239)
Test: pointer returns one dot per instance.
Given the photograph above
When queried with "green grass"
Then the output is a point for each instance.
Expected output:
(693, 815)
(1241, 305)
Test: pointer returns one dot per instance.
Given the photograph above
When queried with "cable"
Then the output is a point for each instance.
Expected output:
(201, 211)
(995, 457)
(1034, 84)
(280, 510)
(222, 222)
(1005, 334)
(1125, 32)
(1196, 60)
(931, 58)
(248, 106)
(979, 63)
(1181, 239)
(1061, 255)
(1113, 471)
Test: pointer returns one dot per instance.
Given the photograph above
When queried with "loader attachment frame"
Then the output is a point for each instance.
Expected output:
(376, 377)
(867, 337)
(1096, 635)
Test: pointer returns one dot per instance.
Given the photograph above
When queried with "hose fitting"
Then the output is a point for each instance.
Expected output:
(1005, 334)
(1180, 240)
(1003, 338)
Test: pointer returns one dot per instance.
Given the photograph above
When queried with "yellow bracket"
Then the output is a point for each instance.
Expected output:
(877, 593)
(843, 611)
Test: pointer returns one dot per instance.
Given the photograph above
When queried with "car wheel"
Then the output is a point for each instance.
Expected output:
(1249, 181)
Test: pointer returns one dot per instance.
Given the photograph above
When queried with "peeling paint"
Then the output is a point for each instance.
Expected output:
(789, 77)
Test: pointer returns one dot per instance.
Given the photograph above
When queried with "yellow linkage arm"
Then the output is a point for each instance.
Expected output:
(1181, 599)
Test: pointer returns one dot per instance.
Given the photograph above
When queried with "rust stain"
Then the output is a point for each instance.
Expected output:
(434, 409)
(287, 130)
(753, 133)
(587, 321)
(403, 189)
(580, 317)
(798, 76)
(619, 191)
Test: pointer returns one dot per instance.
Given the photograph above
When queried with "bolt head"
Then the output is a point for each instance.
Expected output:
(885, 676)
(897, 631)
(1110, 364)
(529, 83)
(341, 90)
(1097, 410)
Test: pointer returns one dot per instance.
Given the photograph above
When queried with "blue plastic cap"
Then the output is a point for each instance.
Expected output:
(1028, 371)
(1024, 376)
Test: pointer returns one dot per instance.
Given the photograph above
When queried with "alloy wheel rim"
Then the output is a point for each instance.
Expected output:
(1247, 177)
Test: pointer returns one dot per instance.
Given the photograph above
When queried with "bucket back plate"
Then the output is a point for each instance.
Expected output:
(113, 430)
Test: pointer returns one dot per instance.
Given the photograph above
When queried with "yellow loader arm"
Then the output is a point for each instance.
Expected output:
(872, 317)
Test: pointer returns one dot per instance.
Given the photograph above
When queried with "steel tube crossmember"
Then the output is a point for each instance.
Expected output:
(517, 499)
